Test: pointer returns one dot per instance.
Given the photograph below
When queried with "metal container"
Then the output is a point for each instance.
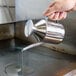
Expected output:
(46, 31)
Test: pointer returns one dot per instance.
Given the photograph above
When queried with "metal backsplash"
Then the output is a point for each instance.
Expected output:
(6, 31)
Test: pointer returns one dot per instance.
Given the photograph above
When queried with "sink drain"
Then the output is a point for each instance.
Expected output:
(15, 70)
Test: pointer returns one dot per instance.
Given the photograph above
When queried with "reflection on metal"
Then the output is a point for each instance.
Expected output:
(15, 70)
(12, 69)
(6, 31)
(45, 30)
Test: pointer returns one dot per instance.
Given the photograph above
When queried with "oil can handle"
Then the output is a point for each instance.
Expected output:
(46, 18)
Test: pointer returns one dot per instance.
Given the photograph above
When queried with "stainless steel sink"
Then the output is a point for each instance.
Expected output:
(41, 61)
(44, 60)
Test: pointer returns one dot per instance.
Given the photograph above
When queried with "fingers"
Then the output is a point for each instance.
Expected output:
(51, 4)
(53, 7)
(58, 16)
(62, 15)
(49, 11)
(55, 11)
(54, 16)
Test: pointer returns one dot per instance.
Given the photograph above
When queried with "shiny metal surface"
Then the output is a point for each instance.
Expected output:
(6, 31)
(46, 31)
(55, 32)
(39, 61)
(69, 42)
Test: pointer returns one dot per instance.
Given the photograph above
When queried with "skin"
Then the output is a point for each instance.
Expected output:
(58, 9)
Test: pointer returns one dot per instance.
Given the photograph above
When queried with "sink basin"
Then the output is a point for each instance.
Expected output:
(38, 61)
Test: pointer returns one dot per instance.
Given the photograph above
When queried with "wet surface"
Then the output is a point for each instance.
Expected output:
(39, 61)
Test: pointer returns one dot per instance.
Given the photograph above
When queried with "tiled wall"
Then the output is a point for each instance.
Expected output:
(6, 30)
(4, 13)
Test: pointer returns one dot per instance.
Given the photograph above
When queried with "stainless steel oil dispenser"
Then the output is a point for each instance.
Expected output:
(45, 31)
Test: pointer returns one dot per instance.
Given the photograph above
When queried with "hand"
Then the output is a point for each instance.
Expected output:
(59, 8)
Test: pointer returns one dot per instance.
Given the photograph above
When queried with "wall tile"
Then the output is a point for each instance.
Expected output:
(4, 15)
(12, 10)
(9, 2)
